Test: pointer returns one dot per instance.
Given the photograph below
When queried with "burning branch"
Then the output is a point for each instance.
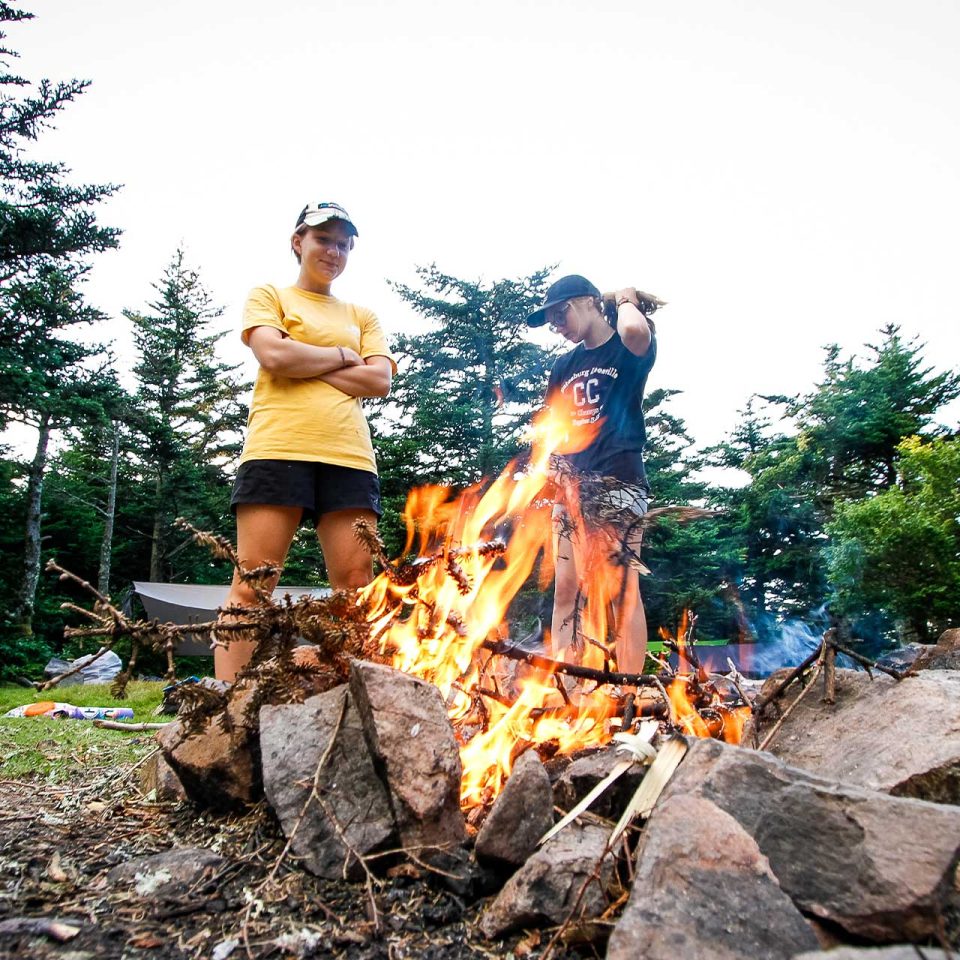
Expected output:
(601, 677)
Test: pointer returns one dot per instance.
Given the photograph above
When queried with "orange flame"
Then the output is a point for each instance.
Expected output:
(475, 552)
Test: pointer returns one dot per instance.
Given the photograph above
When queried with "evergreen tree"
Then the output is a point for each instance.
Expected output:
(43, 218)
(48, 230)
(843, 447)
(467, 387)
(189, 415)
(689, 562)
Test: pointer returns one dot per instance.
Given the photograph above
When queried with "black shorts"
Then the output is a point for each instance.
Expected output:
(317, 487)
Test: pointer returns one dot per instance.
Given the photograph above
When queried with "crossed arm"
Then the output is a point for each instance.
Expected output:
(341, 367)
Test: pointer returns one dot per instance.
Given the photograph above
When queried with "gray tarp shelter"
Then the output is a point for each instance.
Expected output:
(185, 603)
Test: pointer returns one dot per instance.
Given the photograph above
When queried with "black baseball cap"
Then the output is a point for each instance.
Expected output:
(566, 288)
(313, 214)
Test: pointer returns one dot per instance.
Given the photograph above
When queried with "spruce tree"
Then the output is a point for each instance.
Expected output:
(189, 414)
(48, 231)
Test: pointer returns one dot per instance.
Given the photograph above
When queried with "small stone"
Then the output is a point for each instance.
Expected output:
(702, 890)
(585, 772)
(218, 767)
(170, 874)
(353, 809)
(160, 779)
(881, 868)
(545, 889)
(520, 816)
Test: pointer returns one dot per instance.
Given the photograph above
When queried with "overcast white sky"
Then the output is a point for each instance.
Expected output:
(785, 174)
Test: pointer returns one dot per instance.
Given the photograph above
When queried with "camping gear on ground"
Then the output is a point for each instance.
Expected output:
(100, 670)
(67, 711)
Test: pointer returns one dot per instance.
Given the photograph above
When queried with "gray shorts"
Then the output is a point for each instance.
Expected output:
(614, 517)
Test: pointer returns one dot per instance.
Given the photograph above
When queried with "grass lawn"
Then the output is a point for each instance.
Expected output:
(56, 750)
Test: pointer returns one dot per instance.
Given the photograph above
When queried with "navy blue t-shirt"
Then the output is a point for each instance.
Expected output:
(605, 386)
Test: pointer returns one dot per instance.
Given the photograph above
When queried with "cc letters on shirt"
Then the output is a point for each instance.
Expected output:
(588, 390)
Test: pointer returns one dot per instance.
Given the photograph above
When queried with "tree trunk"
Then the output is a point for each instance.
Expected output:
(31, 560)
(156, 548)
(106, 544)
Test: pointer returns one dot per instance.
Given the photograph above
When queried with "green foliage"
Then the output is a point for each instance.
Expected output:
(48, 231)
(900, 550)
(44, 220)
(858, 414)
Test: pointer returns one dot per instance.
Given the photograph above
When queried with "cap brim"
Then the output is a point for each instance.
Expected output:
(539, 316)
(315, 219)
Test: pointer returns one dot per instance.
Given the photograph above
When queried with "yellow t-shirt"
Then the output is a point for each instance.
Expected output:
(306, 418)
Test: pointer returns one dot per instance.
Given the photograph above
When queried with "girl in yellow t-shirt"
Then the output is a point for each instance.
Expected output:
(308, 453)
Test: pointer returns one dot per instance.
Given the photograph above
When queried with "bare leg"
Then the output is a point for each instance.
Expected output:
(349, 565)
(264, 535)
(566, 586)
(631, 626)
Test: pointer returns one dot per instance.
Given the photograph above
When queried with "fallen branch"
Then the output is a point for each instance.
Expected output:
(869, 664)
(133, 727)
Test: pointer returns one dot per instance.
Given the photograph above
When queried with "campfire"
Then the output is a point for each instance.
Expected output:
(443, 617)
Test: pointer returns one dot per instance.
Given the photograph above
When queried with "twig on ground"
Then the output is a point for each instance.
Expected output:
(786, 713)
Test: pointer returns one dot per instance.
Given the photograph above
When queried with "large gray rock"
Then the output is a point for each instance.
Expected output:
(703, 891)
(520, 816)
(882, 868)
(353, 813)
(545, 889)
(902, 738)
(415, 752)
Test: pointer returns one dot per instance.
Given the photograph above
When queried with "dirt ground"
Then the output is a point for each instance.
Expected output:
(57, 845)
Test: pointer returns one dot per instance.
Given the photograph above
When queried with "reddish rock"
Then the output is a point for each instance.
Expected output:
(546, 888)
(415, 751)
(944, 655)
(882, 868)
(899, 737)
(219, 768)
(520, 816)
(158, 777)
(702, 890)
(353, 813)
